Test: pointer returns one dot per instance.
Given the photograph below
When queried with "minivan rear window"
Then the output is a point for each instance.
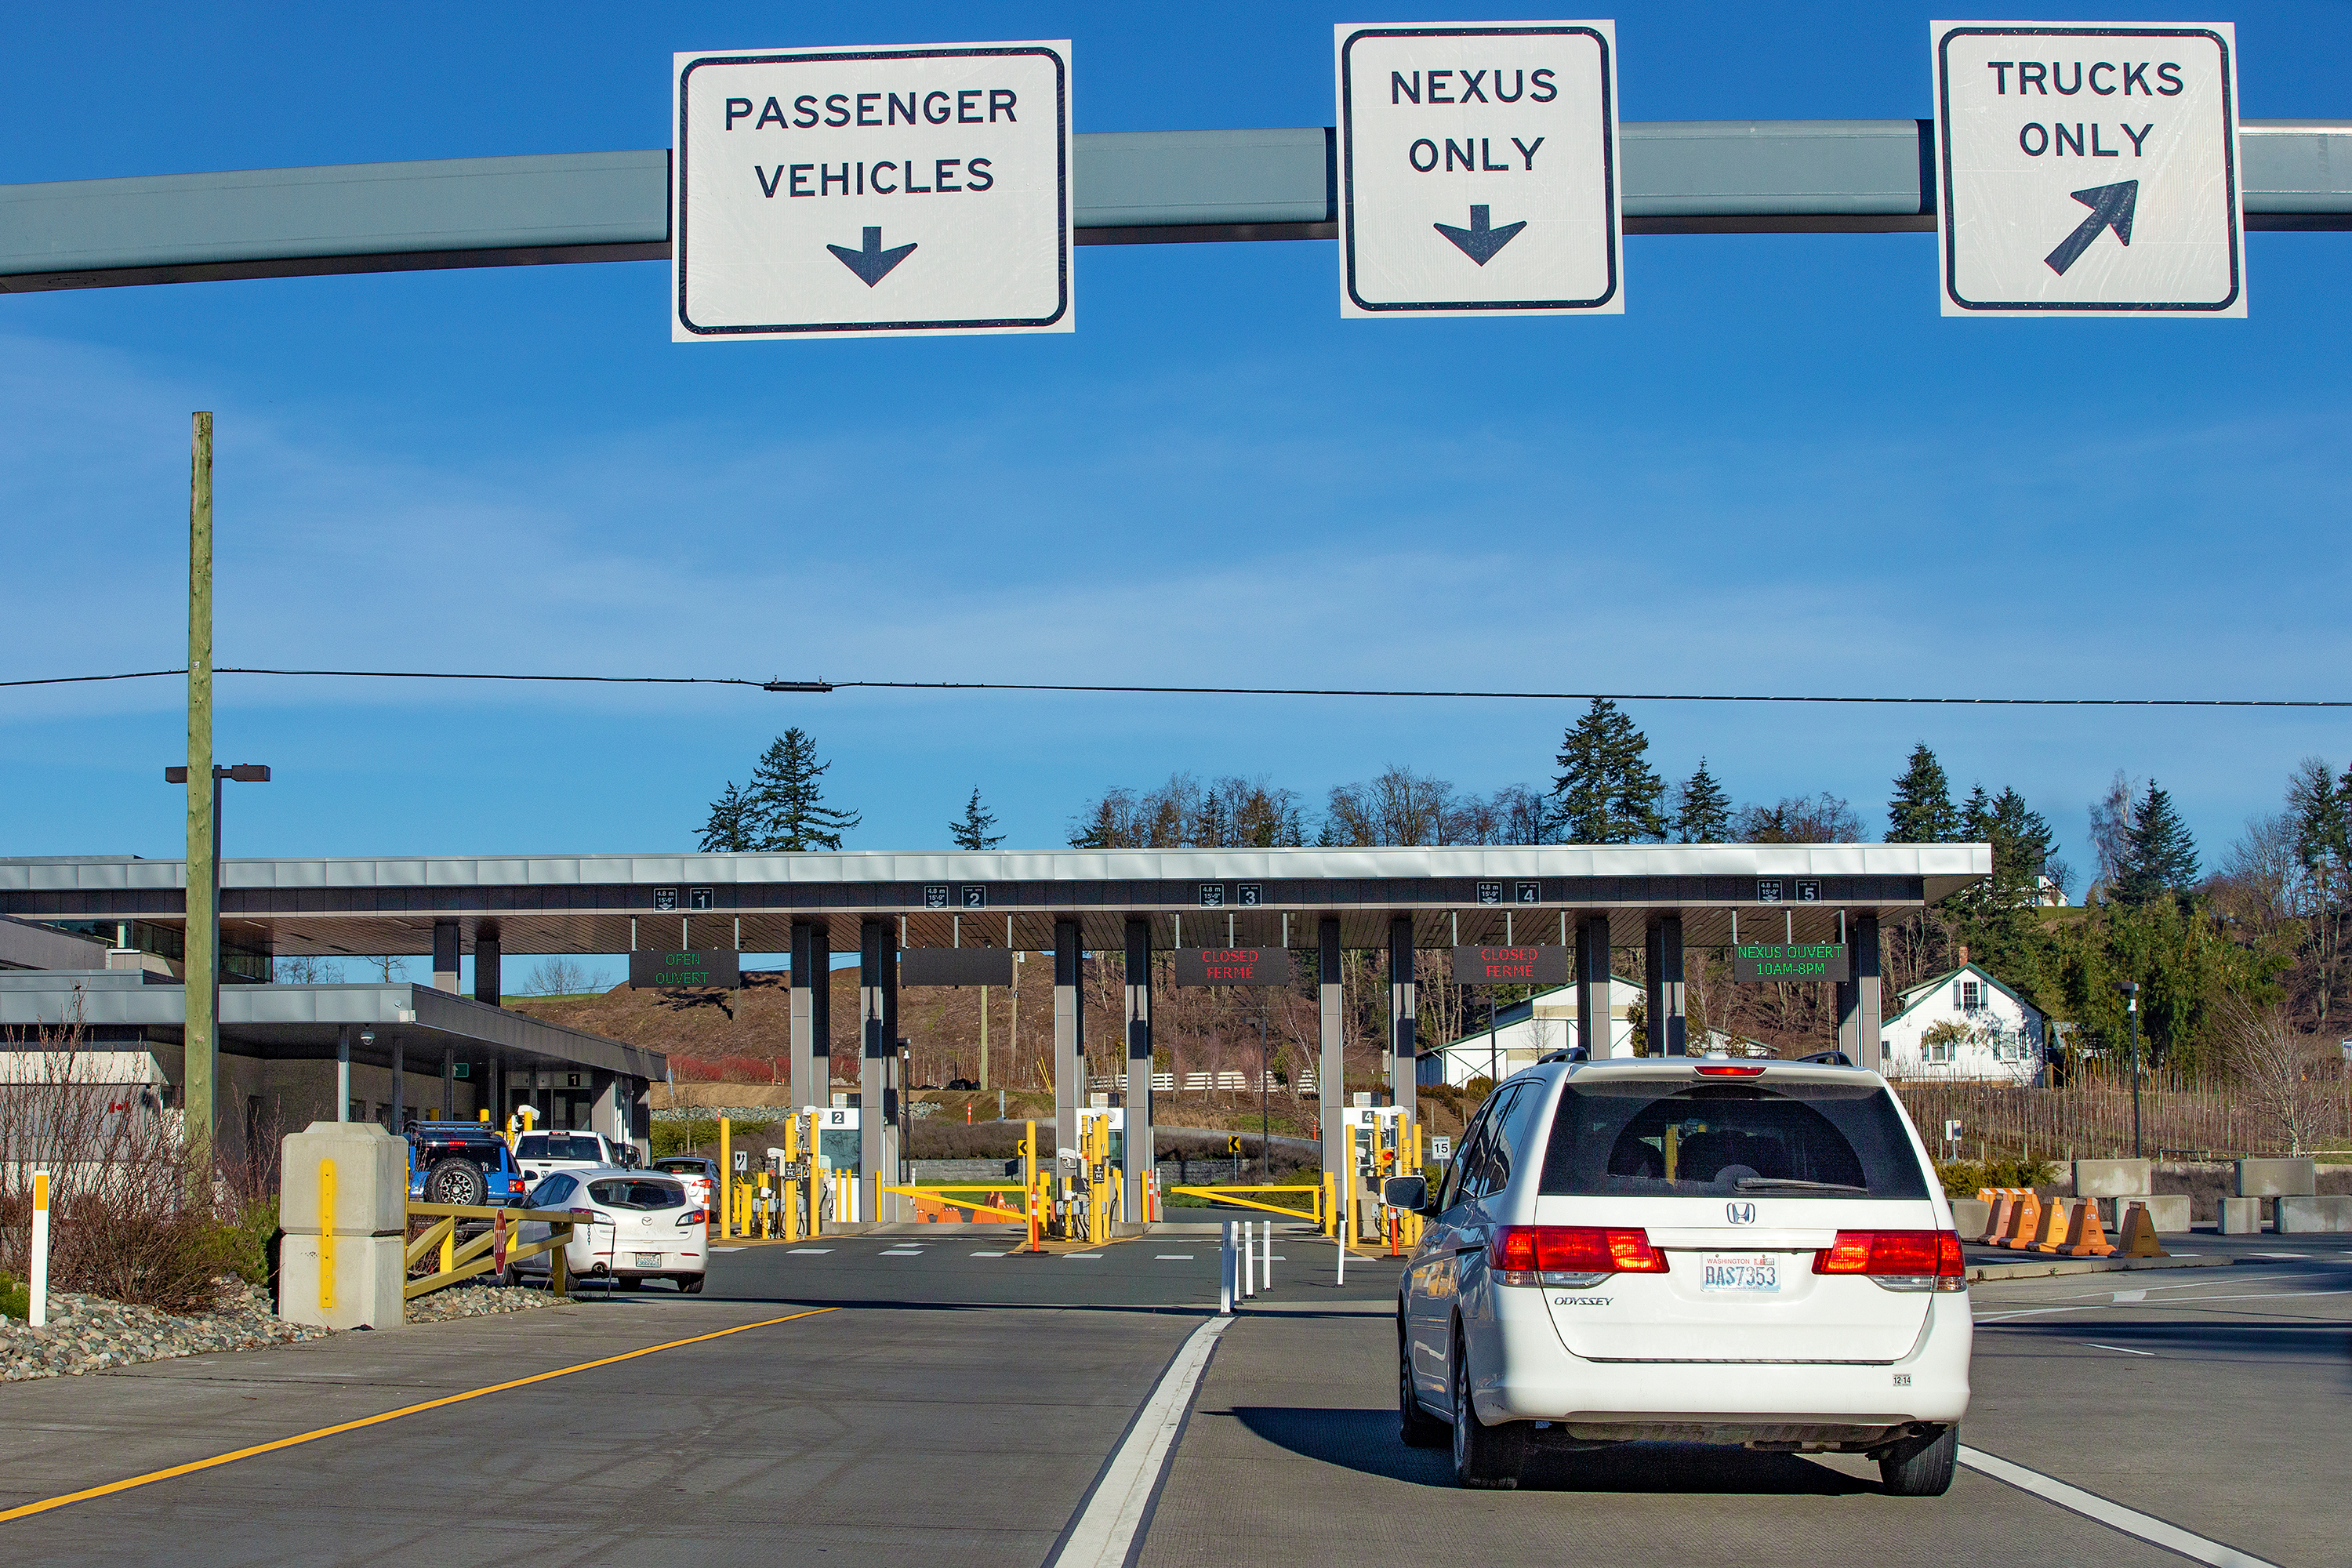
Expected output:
(1659, 1137)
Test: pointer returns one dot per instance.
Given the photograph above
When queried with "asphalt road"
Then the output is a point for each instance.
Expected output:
(953, 1409)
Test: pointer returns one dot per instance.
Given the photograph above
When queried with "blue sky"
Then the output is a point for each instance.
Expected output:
(1781, 470)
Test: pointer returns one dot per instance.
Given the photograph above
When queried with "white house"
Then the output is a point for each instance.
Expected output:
(1524, 1031)
(1966, 1027)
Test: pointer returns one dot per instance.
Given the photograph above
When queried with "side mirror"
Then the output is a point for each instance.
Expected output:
(1409, 1193)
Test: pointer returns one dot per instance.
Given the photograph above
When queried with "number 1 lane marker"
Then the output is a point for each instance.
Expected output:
(193, 1466)
(2113, 1515)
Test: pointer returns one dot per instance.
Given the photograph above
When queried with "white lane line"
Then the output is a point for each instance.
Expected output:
(2119, 1350)
(2113, 1515)
(900, 1252)
(1083, 1256)
(2177, 1302)
(2131, 1296)
(807, 1251)
(987, 1254)
(726, 1249)
(1105, 1530)
(1172, 1257)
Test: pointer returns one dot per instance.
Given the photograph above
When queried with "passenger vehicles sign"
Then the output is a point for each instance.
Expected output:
(904, 190)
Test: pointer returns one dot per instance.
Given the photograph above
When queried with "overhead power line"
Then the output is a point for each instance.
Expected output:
(819, 686)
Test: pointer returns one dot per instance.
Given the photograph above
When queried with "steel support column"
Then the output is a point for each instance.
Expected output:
(445, 956)
(1331, 1061)
(1070, 1039)
(1141, 1150)
(1404, 1015)
(1664, 1024)
(343, 1073)
(821, 1068)
(810, 960)
(448, 1083)
(399, 1087)
(878, 1085)
(1858, 998)
(1592, 986)
(487, 976)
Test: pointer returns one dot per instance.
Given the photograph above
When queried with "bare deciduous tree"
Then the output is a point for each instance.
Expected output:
(2286, 1073)
(558, 977)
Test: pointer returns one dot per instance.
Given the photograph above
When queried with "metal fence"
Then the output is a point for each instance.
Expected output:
(2091, 1119)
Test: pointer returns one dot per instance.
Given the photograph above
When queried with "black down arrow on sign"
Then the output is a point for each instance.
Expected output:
(873, 263)
(1479, 242)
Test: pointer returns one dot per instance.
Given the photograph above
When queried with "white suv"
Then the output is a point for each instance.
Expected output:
(1686, 1249)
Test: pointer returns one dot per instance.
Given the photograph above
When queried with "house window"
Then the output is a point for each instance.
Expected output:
(1971, 997)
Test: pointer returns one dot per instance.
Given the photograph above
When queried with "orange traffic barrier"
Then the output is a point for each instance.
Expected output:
(2024, 1219)
(2004, 1203)
(2049, 1236)
(2088, 1237)
(2138, 1230)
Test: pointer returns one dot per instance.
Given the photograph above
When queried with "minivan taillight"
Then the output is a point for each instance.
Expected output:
(1569, 1254)
(1898, 1260)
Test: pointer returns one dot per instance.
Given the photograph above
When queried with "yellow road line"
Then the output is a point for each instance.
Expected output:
(110, 1487)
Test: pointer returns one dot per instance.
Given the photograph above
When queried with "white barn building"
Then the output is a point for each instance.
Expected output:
(1526, 1030)
(1966, 1027)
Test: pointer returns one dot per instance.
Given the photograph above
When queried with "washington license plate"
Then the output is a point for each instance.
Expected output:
(649, 1259)
(1739, 1273)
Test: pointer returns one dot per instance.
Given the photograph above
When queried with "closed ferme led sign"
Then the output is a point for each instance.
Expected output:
(1233, 966)
(1510, 966)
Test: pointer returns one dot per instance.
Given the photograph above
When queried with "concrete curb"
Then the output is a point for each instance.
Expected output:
(2044, 1269)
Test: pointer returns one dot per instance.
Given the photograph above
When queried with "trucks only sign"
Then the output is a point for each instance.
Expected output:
(905, 191)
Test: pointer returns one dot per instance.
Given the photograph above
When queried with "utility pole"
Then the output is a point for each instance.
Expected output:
(201, 964)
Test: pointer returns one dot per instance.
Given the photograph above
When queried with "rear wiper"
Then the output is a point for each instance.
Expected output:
(1758, 1183)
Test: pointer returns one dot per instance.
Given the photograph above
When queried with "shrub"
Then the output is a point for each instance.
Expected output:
(16, 1300)
(1966, 1178)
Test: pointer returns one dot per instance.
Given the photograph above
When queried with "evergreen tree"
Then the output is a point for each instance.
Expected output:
(1702, 811)
(787, 798)
(731, 825)
(1920, 811)
(972, 833)
(1608, 792)
(1974, 816)
(2161, 857)
(2021, 839)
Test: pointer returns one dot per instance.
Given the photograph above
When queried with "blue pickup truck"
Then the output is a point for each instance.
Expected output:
(463, 1163)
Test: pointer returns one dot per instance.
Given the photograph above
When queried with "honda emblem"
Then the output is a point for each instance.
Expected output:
(1739, 1213)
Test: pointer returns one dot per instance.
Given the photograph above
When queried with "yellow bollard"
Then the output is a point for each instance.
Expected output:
(767, 1213)
(726, 1177)
(1329, 1205)
(326, 1236)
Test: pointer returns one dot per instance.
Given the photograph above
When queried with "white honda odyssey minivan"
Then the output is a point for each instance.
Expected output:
(1686, 1249)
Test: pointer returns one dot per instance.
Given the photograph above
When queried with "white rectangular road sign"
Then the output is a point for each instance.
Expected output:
(1478, 169)
(2088, 169)
(888, 191)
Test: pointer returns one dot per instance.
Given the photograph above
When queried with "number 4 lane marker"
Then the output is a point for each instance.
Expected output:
(2113, 1515)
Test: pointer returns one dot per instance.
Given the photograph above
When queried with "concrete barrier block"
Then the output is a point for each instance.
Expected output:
(2308, 1214)
(2169, 1212)
(2114, 1178)
(2278, 1178)
(2242, 1216)
(371, 1179)
(1969, 1217)
(368, 1275)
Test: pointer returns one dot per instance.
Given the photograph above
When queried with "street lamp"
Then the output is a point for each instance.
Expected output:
(2130, 989)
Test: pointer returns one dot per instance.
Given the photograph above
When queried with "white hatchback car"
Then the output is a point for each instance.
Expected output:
(1686, 1249)
(636, 1225)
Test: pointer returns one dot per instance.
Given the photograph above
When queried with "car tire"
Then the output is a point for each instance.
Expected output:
(458, 1181)
(690, 1286)
(1488, 1458)
(1921, 1467)
(1417, 1426)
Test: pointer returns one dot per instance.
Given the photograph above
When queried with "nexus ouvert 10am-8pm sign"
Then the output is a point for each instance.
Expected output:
(904, 190)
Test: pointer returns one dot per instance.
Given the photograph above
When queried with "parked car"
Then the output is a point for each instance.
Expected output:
(543, 1154)
(699, 1174)
(1689, 1250)
(464, 1162)
(636, 1225)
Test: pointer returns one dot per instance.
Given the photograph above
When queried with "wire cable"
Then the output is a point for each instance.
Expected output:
(820, 687)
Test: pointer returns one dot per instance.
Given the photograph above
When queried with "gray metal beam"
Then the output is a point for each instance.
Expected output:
(1719, 176)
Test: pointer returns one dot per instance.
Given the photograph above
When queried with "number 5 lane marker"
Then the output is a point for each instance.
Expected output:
(193, 1466)
(1114, 1513)
(2113, 1515)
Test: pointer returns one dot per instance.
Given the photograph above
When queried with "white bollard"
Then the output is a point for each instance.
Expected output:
(1343, 1258)
(1225, 1272)
(1269, 1255)
(38, 1285)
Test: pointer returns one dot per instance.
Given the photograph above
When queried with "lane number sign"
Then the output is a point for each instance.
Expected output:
(2088, 169)
(1478, 169)
(883, 191)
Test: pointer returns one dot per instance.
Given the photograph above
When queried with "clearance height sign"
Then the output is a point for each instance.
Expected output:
(2089, 170)
(892, 192)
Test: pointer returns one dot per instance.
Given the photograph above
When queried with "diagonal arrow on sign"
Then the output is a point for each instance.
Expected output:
(1479, 242)
(2111, 208)
(873, 264)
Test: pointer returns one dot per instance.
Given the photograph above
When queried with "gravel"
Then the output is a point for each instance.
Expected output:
(90, 1333)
